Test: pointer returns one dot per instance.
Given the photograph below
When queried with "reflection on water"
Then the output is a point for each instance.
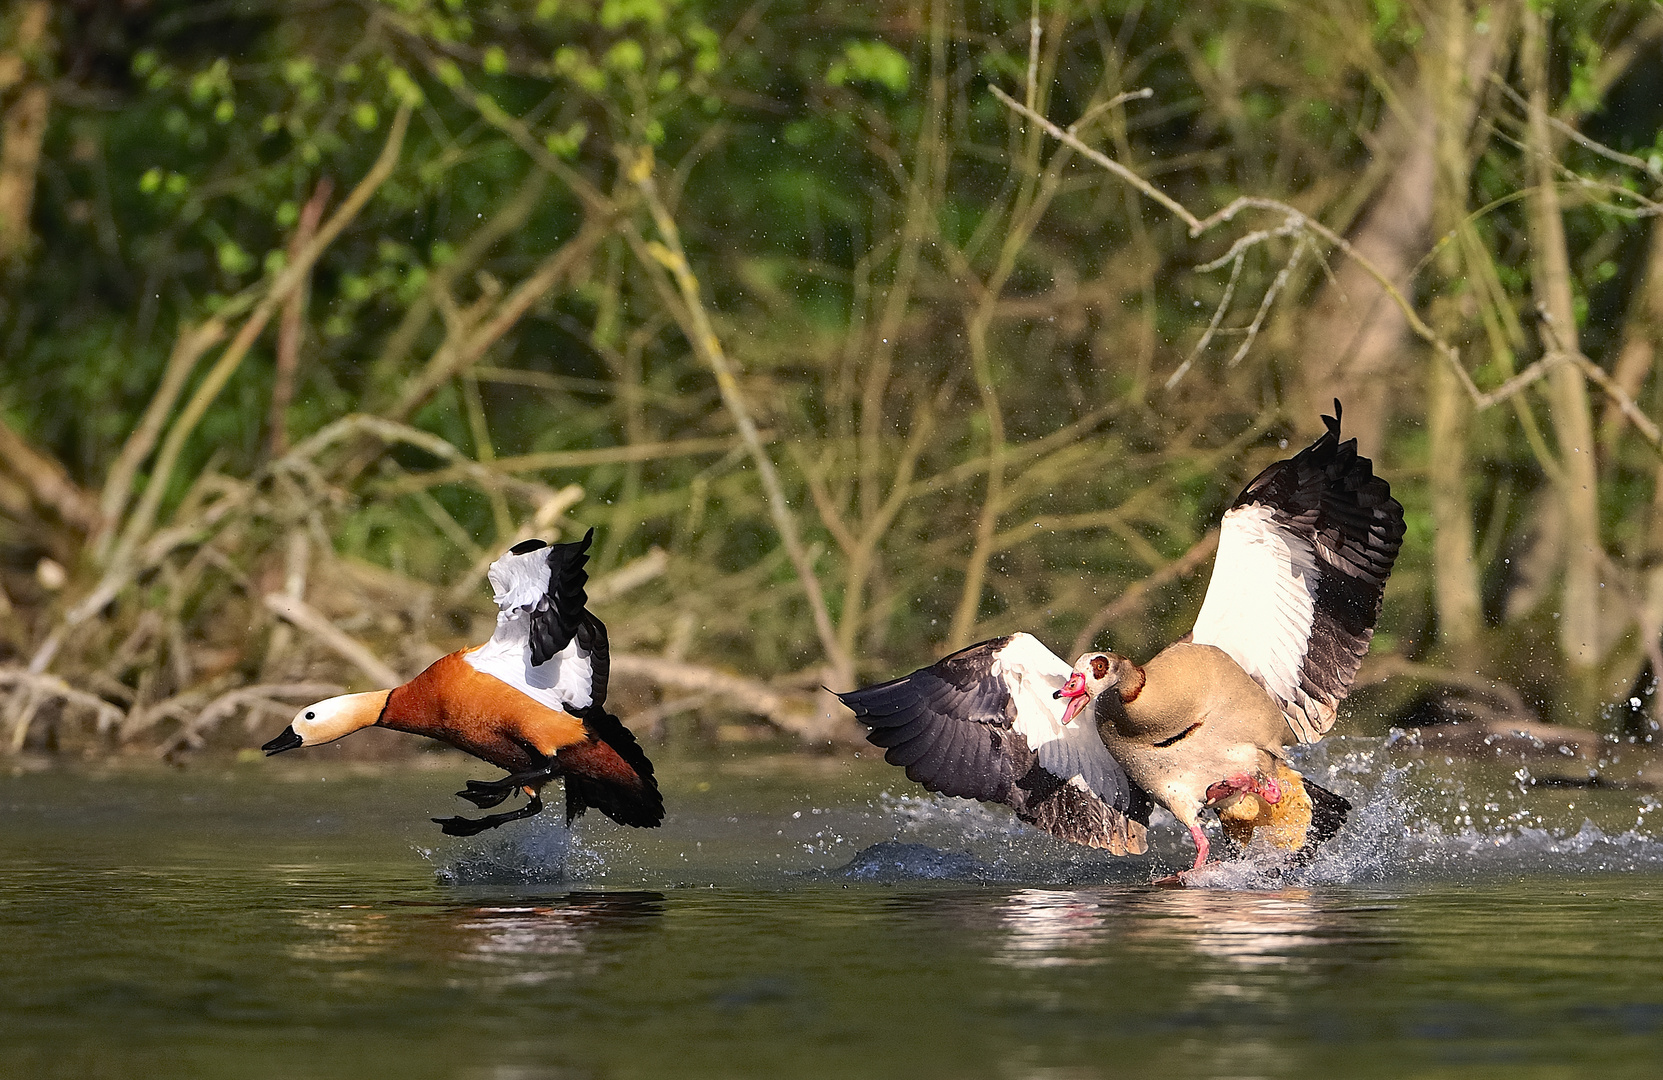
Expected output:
(1048, 927)
(1249, 930)
(184, 925)
(355, 940)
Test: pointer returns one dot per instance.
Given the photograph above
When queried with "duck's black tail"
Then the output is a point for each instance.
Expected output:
(610, 772)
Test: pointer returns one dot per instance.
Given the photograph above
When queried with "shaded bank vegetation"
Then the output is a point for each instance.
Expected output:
(311, 308)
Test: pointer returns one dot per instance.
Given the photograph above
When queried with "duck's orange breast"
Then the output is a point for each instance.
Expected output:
(480, 714)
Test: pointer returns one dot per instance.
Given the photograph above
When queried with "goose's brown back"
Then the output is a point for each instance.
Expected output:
(1197, 719)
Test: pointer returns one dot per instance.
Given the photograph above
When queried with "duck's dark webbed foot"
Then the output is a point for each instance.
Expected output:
(488, 793)
(461, 826)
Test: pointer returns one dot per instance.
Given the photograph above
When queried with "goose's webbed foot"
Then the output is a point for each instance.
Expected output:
(461, 826)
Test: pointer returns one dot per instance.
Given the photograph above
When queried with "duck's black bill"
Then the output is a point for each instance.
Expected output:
(286, 741)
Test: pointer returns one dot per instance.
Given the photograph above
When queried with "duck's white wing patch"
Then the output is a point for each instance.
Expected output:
(982, 724)
(1261, 602)
(547, 644)
(520, 582)
(565, 681)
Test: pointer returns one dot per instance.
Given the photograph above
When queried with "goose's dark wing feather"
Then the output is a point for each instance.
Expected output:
(1303, 557)
(982, 724)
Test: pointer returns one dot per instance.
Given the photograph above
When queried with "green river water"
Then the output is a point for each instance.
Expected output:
(809, 917)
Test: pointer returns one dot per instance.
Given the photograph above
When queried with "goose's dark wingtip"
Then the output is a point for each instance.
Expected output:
(1332, 423)
(851, 700)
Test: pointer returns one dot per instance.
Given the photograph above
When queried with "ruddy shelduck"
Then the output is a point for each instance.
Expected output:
(530, 701)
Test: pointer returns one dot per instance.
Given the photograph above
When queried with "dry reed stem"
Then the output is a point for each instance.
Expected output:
(464, 346)
(632, 575)
(548, 511)
(1138, 594)
(793, 712)
(312, 621)
(291, 327)
(1033, 197)
(227, 704)
(566, 459)
(696, 325)
(40, 688)
(188, 348)
(390, 431)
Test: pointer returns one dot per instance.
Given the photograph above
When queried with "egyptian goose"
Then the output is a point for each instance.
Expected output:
(1303, 557)
(530, 701)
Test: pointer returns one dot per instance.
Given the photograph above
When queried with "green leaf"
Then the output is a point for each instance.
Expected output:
(403, 87)
(871, 61)
(626, 55)
(365, 116)
(616, 13)
(232, 258)
(448, 73)
(566, 144)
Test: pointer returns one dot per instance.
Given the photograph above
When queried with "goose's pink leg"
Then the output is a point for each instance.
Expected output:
(1201, 847)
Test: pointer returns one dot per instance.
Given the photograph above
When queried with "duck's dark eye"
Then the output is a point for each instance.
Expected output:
(311, 715)
(1100, 667)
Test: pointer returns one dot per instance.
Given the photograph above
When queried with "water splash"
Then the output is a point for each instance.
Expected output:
(544, 851)
(1416, 816)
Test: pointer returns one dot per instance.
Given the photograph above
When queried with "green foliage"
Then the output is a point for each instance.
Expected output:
(871, 61)
(844, 206)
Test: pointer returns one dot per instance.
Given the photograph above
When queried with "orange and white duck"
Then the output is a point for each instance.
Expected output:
(530, 701)
(1303, 557)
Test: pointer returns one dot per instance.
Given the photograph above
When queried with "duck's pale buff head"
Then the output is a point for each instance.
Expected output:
(329, 720)
(1094, 673)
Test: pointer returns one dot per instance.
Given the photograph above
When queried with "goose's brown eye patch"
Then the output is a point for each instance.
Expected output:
(1100, 667)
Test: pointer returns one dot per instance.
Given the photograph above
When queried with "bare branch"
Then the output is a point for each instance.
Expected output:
(1137, 595)
(670, 256)
(793, 712)
(39, 687)
(312, 621)
(228, 704)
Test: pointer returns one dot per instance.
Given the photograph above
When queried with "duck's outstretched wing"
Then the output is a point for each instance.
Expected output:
(1303, 557)
(983, 724)
(547, 643)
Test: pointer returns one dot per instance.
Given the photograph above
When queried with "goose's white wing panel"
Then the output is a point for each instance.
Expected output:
(1074, 752)
(1303, 557)
(1261, 602)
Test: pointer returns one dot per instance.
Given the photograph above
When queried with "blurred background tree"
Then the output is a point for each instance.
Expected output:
(311, 307)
